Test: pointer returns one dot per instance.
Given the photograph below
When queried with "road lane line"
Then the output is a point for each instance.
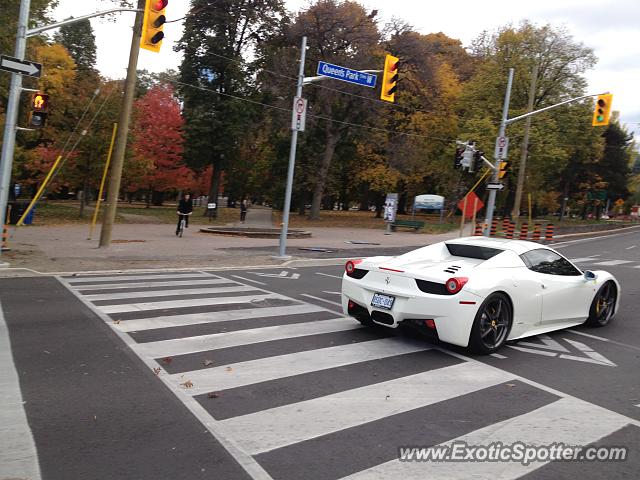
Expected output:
(327, 275)
(185, 320)
(202, 343)
(18, 453)
(611, 263)
(116, 278)
(197, 302)
(271, 368)
(248, 280)
(164, 293)
(281, 426)
(562, 421)
(321, 299)
(497, 355)
(133, 286)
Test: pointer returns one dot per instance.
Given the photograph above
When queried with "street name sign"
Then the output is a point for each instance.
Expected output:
(495, 186)
(299, 114)
(23, 67)
(346, 74)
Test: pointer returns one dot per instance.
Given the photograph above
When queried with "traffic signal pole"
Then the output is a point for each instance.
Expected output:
(491, 203)
(123, 131)
(11, 118)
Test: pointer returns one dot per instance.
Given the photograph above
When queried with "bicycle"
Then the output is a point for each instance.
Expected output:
(183, 223)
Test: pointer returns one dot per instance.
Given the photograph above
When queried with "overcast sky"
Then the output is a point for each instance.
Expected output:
(609, 27)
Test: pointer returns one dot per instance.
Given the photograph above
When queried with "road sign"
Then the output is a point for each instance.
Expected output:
(472, 201)
(502, 146)
(299, 115)
(619, 202)
(23, 67)
(495, 186)
(346, 74)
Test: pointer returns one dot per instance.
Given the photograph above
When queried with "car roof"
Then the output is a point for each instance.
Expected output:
(517, 246)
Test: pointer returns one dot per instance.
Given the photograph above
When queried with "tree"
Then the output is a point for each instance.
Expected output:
(79, 40)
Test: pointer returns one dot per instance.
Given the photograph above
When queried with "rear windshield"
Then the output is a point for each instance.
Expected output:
(472, 251)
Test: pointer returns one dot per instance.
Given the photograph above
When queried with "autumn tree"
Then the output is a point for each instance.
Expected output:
(79, 40)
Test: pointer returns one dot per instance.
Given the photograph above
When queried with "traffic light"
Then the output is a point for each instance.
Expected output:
(503, 170)
(602, 110)
(390, 78)
(457, 163)
(477, 161)
(153, 24)
(39, 108)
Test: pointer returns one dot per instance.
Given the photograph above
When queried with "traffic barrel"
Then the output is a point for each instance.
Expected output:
(5, 239)
(505, 225)
(494, 228)
(536, 232)
(524, 231)
(548, 234)
(477, 231)
(510, 228)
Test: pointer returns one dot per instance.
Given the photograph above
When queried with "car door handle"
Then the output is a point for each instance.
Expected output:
(543, 285)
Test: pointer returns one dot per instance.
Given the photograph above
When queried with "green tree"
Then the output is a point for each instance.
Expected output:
(78, 38)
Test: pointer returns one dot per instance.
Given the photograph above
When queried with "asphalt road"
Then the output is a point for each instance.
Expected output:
(254, 373)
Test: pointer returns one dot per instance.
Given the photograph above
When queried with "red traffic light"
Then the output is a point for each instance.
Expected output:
(158, 5)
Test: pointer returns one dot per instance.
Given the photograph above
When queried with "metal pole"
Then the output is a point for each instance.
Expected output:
(123, 131)
(104, 177)
(491, 203)
(292, 161)
(464, 211)
(525, 145)
(11, 118)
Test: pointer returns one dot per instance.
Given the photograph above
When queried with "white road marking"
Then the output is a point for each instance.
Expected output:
(562, 421)
(321, 299)
(590, 356)
(610, 263)
(583, 259)
(214, 317)
(196, 302)
(332, 293)
(18, 454)
(283, 275)
(589, 352)
(248, 280)
(632, 246)
(602, 339)
(548, 343)
(180, 283)
(117, 278)
(497, 355)
(327, 275)
(531, 350)
(201, 343)
(164, 293)
(281, 426)
(271, 368)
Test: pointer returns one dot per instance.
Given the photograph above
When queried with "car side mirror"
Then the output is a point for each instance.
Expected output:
(589, 275)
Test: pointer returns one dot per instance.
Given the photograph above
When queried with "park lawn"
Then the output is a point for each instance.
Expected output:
(357, 219)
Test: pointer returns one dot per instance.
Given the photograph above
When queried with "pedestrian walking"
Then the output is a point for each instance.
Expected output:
(243, 210)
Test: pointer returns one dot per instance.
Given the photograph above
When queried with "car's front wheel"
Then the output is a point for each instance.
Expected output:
(492, 324)
(603, 305)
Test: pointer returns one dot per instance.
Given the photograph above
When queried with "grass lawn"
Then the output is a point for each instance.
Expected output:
(67, 213)
(356, 219)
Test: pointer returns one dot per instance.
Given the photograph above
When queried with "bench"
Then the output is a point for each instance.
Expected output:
(415, 224)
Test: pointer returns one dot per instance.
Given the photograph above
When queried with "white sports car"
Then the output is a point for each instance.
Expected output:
(478, 292)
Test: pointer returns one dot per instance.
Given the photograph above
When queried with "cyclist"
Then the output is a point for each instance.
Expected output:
(185, 208)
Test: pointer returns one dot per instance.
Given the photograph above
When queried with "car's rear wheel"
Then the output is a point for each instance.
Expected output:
(492, 324)
(603, 305)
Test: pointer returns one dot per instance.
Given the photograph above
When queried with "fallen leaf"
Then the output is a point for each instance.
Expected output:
(157, 370)
(167, 360)
(229, 369)
(511, 384)
(117, 322)
(213, 395)
(207, 363)
(187, 384)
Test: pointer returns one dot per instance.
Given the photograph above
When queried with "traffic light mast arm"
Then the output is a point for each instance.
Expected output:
(522, 117)
(35, 31)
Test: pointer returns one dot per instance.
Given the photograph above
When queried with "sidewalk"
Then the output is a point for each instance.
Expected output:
(155, 246)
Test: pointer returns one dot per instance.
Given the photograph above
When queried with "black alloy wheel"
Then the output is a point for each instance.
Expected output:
(492, 324)
(603, 305)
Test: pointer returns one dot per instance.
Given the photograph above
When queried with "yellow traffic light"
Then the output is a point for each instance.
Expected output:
(602, 110)
(153, 25)
(503, 170)
(390, 78)
(39, 107)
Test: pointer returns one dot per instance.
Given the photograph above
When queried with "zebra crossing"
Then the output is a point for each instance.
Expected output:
(295, 390)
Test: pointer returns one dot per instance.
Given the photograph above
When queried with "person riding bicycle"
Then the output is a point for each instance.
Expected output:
(185, 208)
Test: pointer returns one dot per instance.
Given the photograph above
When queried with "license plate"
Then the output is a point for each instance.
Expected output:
(382, 301)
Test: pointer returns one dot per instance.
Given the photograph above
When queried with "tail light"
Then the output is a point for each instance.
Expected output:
(455, 284)
(350, 266)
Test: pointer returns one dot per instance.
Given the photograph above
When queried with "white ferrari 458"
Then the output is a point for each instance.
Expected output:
(478, 292)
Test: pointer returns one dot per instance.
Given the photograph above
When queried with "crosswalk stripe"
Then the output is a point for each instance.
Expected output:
(213, 317)
(117, 278)
(278, 427)
(613, 262)
(164, 293)
(133, 286)
(197, 302)
(261, 370)
(201, 343)
(562, 421)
